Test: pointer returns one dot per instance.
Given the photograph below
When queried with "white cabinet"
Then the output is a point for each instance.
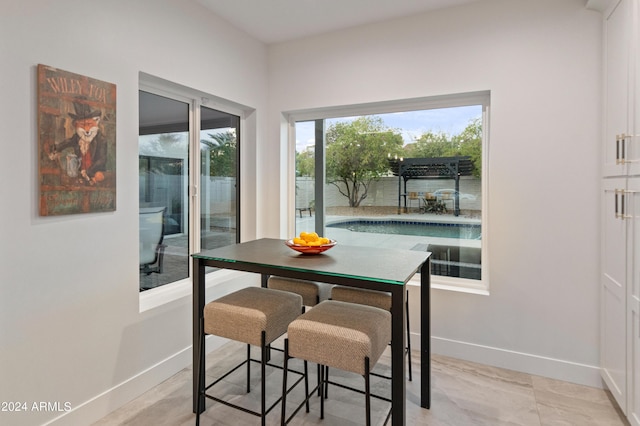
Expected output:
(613, 289)
(633, 305)
(620, 293)
(621, 145)
(620, 310)
(620, 258)
(617, 51)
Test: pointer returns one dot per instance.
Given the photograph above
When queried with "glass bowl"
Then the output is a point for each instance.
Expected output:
(310, 249)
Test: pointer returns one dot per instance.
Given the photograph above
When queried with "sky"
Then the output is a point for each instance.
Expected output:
(412, 124)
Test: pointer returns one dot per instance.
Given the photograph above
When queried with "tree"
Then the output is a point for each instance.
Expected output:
(222, 153)
(357, 154)
(470, 144)
(466, 143)
(305, 163)
(432, 144)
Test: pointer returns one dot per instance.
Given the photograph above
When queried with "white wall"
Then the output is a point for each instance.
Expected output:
(70, 323)
(541, 61)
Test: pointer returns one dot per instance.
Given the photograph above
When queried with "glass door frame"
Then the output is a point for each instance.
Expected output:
(195, 100)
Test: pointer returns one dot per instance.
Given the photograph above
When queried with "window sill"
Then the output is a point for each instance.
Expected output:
(170, 293)
(452, 284)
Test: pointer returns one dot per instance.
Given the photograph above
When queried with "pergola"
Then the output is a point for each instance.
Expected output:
(430, 168)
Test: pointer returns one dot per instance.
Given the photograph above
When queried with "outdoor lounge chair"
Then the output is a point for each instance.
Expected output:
(151, 236)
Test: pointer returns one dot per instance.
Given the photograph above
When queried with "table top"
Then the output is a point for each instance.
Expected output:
(391, 266)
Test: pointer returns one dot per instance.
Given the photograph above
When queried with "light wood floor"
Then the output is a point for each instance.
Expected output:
(463, 393)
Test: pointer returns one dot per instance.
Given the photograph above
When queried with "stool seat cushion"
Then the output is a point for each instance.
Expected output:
(246, 313)
(311, 291)
(340, 335)
(379, 299)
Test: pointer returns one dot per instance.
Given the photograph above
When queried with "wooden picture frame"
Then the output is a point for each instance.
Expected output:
(76, 143)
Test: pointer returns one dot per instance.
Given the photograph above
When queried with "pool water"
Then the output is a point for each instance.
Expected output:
(431, 229)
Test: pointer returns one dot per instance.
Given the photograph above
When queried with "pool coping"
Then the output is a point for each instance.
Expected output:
(387, 220)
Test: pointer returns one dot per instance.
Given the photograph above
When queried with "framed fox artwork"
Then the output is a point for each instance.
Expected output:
(76, 143)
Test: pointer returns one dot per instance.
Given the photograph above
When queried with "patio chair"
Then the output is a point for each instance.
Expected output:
(151, 236)
(413, 196)
(309, 208)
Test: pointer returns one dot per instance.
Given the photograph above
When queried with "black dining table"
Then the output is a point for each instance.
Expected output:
(372, 268)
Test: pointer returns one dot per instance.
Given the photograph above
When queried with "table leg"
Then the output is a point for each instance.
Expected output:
(425, 334)
(264, 283)
(198, 338)
(398, 373)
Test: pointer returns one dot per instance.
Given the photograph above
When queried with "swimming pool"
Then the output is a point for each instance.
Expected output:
(417, 228)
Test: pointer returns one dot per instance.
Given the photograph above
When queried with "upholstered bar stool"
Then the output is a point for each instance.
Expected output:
(378, 299)
(341, 335)
(312, 292)
(255, 316)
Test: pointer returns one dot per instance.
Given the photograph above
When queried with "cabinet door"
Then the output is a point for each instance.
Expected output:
(617, 66)
(633, 137)
(633, 308)
(613, 348)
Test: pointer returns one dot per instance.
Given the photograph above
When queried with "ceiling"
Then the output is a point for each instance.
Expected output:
(274, 21)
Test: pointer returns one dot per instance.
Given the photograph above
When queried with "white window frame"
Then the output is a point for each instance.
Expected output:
(177, 290)
(483, 98)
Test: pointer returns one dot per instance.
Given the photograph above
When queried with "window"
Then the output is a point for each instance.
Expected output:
(188, 182)
(400, 174)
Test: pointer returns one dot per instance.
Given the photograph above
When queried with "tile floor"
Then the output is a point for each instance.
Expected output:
(463, 394)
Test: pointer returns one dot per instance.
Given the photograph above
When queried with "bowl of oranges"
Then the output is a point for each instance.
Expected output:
(310, 243)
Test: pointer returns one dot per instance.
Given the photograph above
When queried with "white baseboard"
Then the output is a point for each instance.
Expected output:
(119, 395)
(111, 399)
(103, 404)
(582, 374)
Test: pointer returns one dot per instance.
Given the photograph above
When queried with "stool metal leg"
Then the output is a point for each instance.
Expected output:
(367, 389)
(284, 383)
(306, 386)
(322, 389)
(326, 382)
(263, 375)
(285, 391)
(248, 368)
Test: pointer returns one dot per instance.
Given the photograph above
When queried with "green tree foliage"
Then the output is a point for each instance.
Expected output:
(431, 144)
(357, 154)
(466, 143)
(305, 163)
(470, 144)
(222, 149)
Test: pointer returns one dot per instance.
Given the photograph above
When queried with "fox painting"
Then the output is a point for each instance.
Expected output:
(90, 149)
(77, 143)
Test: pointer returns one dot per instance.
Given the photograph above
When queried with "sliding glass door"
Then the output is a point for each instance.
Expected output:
(219, 133)
(163, 148)
(188, 163)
